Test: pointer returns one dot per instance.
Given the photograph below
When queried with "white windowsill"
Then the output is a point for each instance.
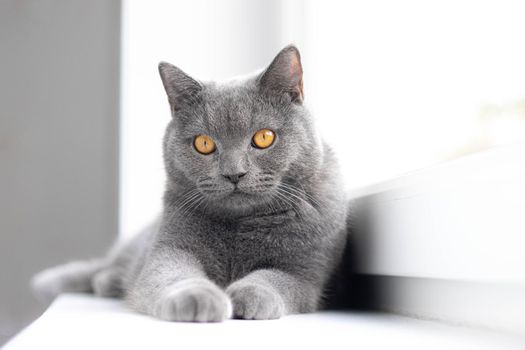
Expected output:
(77, 321)
(448, 242)
(462, 220)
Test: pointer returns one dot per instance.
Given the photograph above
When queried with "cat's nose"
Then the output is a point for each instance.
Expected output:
(234, 178)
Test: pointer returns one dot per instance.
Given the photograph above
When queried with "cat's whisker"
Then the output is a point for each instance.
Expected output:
(185, 195)
(187, 203)
(187, 199)
(194, 206)
(197, 198)
(282, 196)
(290, 193)
(181, 201)
(300, 193)
(272, 208)
(283, 202)
(205, 207)
(308, 194)
(291, 204)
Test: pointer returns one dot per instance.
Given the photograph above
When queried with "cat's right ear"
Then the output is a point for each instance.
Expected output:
(182, 90)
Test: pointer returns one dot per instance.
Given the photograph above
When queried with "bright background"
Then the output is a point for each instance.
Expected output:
(395, 86)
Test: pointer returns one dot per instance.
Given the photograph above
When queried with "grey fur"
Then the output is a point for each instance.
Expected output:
(259, 249)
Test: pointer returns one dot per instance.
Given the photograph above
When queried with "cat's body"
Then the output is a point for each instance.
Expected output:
(253, 230)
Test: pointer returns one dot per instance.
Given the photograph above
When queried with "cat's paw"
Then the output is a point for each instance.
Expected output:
(193, 300)
(255, 302)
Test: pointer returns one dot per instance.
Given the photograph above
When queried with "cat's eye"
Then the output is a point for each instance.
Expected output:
(204, 144)
(263, 138)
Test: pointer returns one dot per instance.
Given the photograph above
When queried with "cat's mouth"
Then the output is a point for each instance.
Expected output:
(239, 192)
(231, 193)
(248, 188)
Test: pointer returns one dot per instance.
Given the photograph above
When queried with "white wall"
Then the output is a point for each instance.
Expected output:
(400, 85)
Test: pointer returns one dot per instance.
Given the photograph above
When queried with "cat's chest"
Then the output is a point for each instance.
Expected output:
(229, 231)
(264, 224)
(231, 249)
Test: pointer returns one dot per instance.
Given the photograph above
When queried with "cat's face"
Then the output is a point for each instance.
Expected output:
(236, 144)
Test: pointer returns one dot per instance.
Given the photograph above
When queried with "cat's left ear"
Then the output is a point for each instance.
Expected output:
(284, 75)
(182, 90)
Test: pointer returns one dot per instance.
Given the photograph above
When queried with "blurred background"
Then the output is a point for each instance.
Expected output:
(395, 87)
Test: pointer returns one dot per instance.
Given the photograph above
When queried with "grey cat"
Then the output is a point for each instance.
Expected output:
(253, 221)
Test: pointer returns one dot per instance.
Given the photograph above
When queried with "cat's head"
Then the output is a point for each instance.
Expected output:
(238, 144)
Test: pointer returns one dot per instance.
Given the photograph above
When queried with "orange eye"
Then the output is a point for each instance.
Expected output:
(263, 138)
(204, 144)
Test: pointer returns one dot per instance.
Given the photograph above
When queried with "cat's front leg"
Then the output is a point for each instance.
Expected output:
(177, 289)
(271, 293)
